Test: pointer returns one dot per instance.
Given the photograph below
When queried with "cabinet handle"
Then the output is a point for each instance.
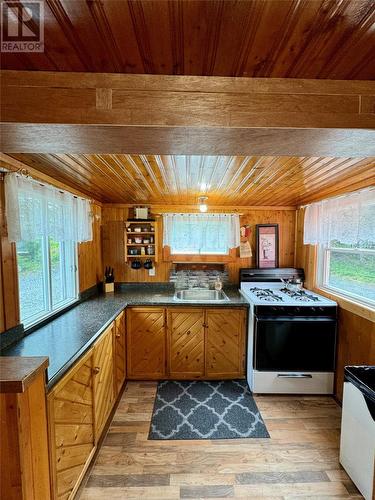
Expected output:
(96, 370)
(188, 332)
(118, 335)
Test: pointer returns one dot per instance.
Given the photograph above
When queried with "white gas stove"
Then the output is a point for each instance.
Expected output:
(277, 294)
(291, 334)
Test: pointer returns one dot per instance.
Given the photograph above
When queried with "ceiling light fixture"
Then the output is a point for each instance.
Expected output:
(202, 203)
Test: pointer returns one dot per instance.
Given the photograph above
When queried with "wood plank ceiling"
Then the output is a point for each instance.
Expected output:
(226, 180)
(251, 38)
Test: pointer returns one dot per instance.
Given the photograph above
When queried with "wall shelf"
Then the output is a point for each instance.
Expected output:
(149, 231)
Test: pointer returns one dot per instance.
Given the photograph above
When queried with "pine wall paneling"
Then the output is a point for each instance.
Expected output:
(113, 243)
(9, 303)
(90, 255)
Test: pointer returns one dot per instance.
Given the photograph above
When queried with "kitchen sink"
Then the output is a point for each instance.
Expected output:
(200, 295)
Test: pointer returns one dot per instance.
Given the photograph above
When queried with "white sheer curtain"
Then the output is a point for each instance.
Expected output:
(201, 233)
(34, 210)
(349, 220)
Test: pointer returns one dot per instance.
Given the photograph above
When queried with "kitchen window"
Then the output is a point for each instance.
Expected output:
(46, 224)
(47, 277)
(344, 230)
(201, 234)
(348, 271)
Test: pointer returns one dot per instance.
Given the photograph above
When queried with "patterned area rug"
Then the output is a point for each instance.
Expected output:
(222, 409)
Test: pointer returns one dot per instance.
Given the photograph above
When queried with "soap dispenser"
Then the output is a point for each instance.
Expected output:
(218, 284)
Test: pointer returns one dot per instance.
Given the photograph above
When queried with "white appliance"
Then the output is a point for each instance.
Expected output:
(291, 334)
(357, 444)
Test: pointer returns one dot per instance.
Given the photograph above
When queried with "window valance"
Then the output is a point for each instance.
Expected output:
(349, 220)
(34, 210)
(201, 233)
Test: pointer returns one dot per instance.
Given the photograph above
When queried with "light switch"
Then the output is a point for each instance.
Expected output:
(152, 272)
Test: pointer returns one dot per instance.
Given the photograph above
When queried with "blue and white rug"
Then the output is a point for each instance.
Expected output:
(223, 409)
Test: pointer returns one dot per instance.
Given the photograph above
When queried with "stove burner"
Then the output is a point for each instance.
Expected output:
(266, 294)
(300, 295)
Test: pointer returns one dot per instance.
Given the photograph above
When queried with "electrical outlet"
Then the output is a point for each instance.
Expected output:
(152, 272)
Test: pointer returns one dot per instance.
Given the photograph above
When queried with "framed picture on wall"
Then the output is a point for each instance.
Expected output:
(267, 246)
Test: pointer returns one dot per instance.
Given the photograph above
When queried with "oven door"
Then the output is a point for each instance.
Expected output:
(295, 344)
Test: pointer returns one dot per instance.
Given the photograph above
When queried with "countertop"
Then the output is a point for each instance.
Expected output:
(17, 373)
(70, 335)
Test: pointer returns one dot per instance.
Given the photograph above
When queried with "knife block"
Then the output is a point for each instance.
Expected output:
(109, 287)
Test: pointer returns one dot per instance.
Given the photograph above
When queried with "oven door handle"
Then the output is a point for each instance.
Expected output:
(325, 319)
(294, 375)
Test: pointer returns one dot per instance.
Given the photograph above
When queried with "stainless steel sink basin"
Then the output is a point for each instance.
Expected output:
(200, 295)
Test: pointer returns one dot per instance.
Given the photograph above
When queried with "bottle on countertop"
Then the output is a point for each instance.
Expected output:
(218, 284)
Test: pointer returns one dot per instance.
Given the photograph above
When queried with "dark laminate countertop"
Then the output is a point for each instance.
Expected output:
(148, 294)
(67, 337)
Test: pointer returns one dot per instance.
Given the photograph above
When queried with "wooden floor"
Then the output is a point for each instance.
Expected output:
(300, 460)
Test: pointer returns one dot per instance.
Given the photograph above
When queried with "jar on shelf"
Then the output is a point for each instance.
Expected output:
(150, 250)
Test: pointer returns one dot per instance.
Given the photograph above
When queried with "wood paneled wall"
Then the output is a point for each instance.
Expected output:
(9, 302)
(90, 254)
(356, 327)
(113, 243)
(114, 251)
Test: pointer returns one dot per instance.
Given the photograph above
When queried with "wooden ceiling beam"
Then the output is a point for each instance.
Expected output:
(29, 97)
(185, 83)
(107, 139)
(48, 112)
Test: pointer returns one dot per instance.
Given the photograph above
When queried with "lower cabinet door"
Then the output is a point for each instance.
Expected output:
(71, 428)
(145, 343)
(225, 343)
(119, 342)
(103, 379)
(186, 342)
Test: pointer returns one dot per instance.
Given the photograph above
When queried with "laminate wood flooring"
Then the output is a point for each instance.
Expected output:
(300, 460)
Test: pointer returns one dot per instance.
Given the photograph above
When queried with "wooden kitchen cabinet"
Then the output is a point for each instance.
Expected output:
(200, 343)
(119, 347)
(71, 428)
(146, 343)
(103, 378)
(24, 454)
(186, 342)
(225, 343)
(79, 407)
